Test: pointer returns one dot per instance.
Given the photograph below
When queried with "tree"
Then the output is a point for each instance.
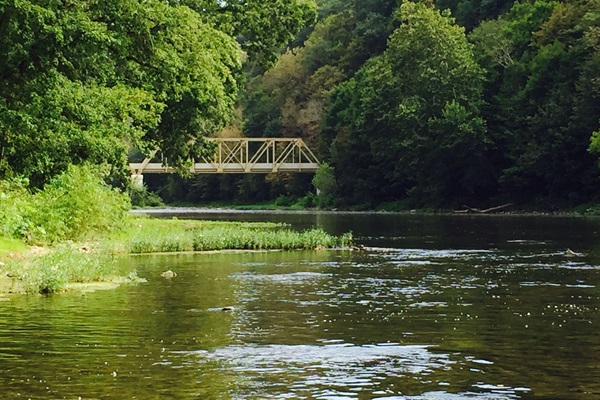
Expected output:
(84, 80)
(542, 103)
(417, 111)
(471, 13)
(324, 179)
(262, 27)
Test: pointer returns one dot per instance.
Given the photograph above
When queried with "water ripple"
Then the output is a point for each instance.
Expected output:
(337, 370)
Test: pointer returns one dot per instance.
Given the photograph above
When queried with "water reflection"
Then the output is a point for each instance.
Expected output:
(344, 371)
(434, 308)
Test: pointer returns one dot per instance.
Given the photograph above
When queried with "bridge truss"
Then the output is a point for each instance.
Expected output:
(243, 156)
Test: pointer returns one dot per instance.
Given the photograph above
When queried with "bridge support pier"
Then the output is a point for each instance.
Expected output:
(137, 181)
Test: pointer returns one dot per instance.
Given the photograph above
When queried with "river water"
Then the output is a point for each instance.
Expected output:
(439, 307)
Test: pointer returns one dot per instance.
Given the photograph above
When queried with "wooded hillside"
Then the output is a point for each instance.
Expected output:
(414, 104)
(438, 105)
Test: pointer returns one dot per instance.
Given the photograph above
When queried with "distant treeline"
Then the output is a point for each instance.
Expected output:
(432, 104)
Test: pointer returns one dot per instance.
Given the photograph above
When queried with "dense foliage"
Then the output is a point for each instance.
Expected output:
(84, 80)
(75, 205)
(542, 99)
(418, 103)
(408, 123)
(444, 103)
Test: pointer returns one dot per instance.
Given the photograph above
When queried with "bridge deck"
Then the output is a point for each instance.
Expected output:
(230, 168)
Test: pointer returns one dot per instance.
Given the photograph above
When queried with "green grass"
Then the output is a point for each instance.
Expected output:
(9, 245)
(151, 236)
(83, 224)
(64, 265)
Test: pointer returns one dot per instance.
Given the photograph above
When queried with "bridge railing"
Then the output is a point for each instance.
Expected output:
(244, 155)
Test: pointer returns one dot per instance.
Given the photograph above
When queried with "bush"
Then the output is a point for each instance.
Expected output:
(15, 204)
(142, 197)
(72, 206)
(326, 201)
(285, 201)
(308, 201)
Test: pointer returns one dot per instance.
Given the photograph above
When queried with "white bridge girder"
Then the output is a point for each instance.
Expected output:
(242, 156)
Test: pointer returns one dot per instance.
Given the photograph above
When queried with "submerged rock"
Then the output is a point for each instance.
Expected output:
(168, 274)
(571, 253)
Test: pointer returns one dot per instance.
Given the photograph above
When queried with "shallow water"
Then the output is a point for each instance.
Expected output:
(439, 307)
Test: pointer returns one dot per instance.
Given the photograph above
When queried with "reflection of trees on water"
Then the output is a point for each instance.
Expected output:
(482, 306)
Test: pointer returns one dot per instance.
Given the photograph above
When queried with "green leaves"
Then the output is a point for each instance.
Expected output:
(324, 179)
(542, 105)
(262, 27)
(74, 206)
(417, 112)
(84, 80)
(73, 122)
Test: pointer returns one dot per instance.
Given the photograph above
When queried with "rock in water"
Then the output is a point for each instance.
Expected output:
(168, 274)
(571, 253)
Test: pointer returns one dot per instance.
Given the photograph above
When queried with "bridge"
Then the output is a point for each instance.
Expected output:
(240, 156)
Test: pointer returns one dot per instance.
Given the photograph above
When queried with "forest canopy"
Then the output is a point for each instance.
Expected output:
(412, 103)
(86, 80)
(439, 104)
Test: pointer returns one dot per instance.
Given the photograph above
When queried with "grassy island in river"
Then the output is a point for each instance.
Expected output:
(74, 230)
(33, 269)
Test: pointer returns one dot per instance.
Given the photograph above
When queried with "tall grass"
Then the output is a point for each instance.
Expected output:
(50, 273)
(228, 236)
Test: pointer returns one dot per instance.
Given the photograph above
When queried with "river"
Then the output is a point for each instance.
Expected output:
(439, 307)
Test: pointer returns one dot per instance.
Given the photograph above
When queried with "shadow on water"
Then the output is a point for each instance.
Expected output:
(440, 307)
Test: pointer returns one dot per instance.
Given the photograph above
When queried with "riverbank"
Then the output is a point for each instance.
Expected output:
(61, 267)
(298, 205)
(69, 265)
(218, 210)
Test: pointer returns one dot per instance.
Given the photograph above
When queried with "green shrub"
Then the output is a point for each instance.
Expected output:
(142, 197)
(74, 205)
(308, 201)
(325, 200)
(285, 201)
(15, 204)
(52, 272)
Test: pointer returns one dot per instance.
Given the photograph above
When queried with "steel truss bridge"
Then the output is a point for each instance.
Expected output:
(241, 156)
